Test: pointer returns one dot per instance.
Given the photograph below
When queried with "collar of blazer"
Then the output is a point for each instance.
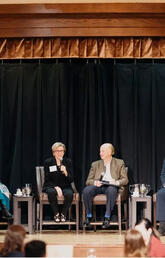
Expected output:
(113, 167)
(103, 166)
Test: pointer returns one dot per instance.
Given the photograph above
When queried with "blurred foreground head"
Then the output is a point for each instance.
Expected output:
(14, 239)
(134, 245)
(35, 248)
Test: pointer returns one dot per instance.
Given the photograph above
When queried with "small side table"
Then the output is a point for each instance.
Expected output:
(31, 211)
(133, 209)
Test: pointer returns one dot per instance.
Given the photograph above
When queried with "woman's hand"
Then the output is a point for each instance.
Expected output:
(59, 191)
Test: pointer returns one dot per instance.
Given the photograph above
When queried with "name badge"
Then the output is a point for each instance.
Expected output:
(53, 168)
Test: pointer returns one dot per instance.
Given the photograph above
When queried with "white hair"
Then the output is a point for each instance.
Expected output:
(108, 146)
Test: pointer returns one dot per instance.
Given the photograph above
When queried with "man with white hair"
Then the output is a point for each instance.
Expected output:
(106, 176)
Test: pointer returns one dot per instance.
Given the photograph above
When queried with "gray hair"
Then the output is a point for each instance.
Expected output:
(58, 144)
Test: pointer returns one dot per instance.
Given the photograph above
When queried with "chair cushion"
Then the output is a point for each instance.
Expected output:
(44, 197)
(100, 197)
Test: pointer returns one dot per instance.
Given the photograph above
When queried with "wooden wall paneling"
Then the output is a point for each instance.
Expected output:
(83, 8)
(82, 20)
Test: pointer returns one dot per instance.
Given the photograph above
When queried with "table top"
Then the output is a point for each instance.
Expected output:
(140, 197)
(23, 198)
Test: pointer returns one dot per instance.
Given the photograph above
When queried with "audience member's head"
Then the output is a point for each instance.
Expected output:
(145, 227)
(35, 248)
(14, 240)
(134, 245)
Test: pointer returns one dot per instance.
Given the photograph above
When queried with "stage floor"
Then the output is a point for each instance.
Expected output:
(66, 237)
(64, 243)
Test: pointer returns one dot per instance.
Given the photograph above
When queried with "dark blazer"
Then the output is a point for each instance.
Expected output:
(118, 171)
(57, 178)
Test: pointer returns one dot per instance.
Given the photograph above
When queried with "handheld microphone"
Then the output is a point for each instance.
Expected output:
(102, 175)
(61, 162)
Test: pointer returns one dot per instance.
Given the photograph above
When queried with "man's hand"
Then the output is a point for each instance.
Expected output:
(59, 191)
(64, 171)
(98, 183)
(112, 182)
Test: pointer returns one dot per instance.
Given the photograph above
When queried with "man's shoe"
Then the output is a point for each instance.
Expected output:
(106, 223)
(161, 232)
(87, 222)
(161, 229)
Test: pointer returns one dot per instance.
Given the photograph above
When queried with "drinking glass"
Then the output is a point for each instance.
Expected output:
(91, 253)
(144, 189)
(28, 189)
(148, 188)
(134, 190)
(131, 189)
(24, 192)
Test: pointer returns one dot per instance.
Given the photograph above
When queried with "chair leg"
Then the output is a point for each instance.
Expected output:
(38, 217)
(126, 215)
(154, 213)
(77, 217)
(94, 216)
(83, 215)
(69, 226)
(119, 215)
(41, 217)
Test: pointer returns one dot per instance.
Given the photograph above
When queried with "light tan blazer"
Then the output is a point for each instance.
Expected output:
(117, 168)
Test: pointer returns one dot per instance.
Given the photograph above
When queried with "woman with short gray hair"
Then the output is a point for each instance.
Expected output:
(58, 178)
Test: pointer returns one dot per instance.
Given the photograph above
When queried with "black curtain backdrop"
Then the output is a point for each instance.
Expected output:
(83, 104)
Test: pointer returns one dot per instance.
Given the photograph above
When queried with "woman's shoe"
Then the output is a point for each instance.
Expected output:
(5, 213)
(57, 218)
(63, 218)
